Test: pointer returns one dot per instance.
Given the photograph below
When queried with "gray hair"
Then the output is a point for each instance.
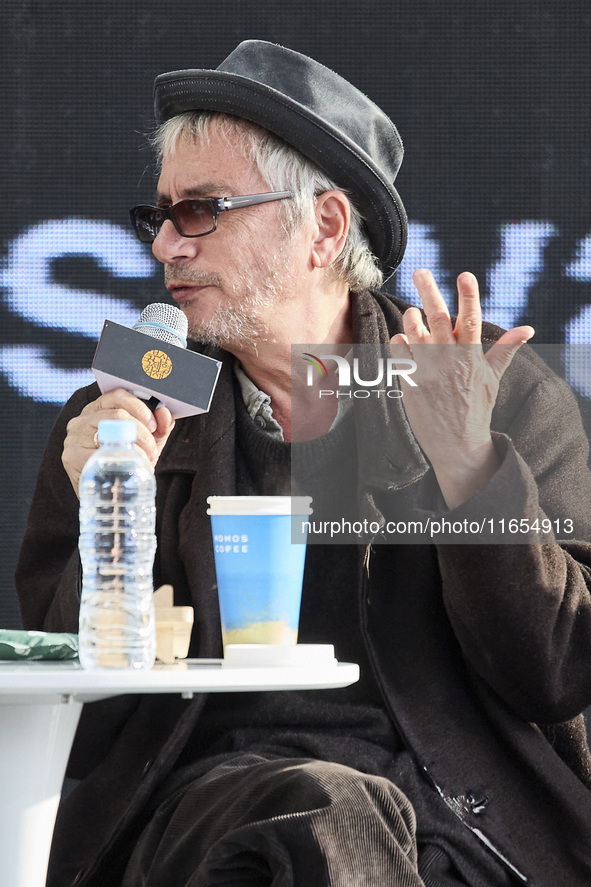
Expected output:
(284, 168)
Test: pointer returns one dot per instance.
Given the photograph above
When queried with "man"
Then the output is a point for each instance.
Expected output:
(430, 770)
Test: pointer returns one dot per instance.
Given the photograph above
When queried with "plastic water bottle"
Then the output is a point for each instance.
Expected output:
(117, 546)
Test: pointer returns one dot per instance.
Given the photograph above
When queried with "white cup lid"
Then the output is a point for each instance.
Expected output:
(259, 505)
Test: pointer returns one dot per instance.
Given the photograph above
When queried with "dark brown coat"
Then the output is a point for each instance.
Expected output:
(471, 644)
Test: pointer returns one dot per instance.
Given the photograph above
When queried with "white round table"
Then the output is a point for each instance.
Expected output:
(41, 704)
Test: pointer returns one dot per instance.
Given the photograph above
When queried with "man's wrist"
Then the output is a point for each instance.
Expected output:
(469, 472)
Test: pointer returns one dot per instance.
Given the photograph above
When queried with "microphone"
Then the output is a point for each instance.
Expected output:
(164, 322)
(161, 371)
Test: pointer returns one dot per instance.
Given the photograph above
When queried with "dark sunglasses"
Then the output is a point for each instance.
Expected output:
(194, 217)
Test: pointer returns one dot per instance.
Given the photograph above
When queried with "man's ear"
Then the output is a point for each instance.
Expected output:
(333, 217)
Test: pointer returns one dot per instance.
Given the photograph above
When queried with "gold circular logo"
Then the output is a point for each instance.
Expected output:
(156, 364)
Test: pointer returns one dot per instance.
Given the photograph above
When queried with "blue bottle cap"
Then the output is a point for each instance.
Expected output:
(116, 431)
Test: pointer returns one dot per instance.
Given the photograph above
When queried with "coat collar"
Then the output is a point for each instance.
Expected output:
(194, 439)
(390, 458)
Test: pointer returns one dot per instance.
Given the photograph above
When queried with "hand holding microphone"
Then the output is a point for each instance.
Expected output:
(151, 382)
(153, 429)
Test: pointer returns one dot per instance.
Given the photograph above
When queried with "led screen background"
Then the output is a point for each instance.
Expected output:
(492, 101)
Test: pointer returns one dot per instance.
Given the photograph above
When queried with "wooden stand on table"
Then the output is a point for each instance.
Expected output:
(173, 626)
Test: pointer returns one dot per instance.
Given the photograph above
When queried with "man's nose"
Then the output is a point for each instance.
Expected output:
(169, 246)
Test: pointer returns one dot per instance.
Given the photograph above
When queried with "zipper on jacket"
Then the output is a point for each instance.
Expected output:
(364, 603)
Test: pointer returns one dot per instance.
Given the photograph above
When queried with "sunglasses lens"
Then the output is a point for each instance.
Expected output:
(194, 217)
(147, 222)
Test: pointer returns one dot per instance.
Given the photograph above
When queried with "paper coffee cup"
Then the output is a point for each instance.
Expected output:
(260, 548)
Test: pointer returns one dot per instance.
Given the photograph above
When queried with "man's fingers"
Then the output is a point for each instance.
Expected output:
(415, 330)
(120, 399)
(434, 306)
(468, 329)
(152, 431)
(400, 340)
(83, 431)
(81, 437)
(165, 423)
(504, 350)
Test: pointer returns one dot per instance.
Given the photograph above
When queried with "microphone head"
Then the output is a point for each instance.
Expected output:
(164, 322)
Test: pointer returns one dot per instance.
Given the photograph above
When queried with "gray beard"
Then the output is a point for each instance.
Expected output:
(235, 325)
(238, 322)
(226, 328)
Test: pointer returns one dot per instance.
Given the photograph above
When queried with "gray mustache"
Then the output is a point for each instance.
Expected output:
(191, 277)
